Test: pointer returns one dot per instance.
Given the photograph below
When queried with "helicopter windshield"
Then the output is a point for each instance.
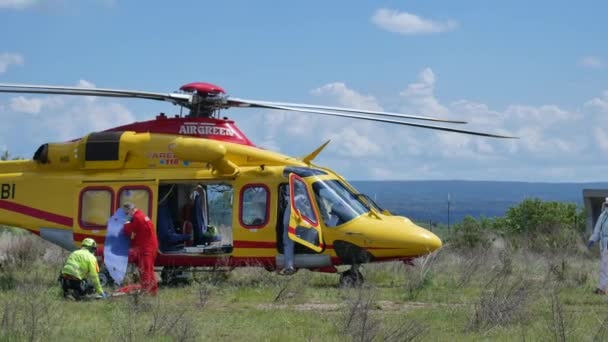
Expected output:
(371, 202)
(337, 204)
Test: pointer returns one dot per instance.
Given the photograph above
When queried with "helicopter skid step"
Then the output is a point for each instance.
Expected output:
(208, 249)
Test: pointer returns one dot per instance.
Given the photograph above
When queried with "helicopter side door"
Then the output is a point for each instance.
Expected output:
(304, 227)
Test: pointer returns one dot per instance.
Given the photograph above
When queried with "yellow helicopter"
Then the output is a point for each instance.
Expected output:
(216, 198)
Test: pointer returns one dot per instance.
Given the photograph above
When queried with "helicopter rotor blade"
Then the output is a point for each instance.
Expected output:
(190, 99)
(175, 98)
(347, 110)
(362, 117)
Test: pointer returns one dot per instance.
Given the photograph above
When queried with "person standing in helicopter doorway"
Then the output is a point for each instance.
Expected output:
(288, 244)
(144, 245)
(600, 233)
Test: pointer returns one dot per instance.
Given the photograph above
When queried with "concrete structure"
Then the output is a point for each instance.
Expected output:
(593, 199)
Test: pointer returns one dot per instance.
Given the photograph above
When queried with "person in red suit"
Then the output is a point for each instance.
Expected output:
(144, 245)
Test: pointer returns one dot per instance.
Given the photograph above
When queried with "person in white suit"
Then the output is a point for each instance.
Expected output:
(600, 234)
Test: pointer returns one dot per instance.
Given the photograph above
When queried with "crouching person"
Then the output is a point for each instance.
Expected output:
(80, 265)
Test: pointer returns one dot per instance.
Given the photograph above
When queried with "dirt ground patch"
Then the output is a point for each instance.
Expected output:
(379, 305)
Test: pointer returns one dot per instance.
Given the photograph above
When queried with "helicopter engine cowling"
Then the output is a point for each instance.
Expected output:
(197, 150)
(58, 155)
(206, 151)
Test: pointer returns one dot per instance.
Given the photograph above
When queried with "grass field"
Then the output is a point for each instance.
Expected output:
(494, 294)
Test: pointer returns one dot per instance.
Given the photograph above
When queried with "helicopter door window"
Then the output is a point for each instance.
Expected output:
(302, 201)
(219, 208)
(255, 200)
(140, 196)
(95, 207)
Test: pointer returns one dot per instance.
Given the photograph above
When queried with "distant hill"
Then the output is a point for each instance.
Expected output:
(428, 200)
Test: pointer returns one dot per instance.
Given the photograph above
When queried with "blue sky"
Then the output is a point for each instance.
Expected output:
(538, 70)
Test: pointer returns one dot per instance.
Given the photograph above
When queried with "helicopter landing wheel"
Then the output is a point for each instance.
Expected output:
(351, 278)
(105, 279)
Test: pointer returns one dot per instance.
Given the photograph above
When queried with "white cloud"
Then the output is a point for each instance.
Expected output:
(410, 24)
(353, 144)
(8, 59)
(600, 103)
(22, 104)
(26, 4)
(85, 84)
(420, 96)
(592, 62)
(18, 4)
(382, 173)
(544, 115)
(347, 97)
(556, 143)
(552, 138)
(58, 118)
(601, 138)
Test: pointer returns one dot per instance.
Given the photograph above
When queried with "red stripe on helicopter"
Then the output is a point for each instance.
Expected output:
(236, 244)
(36, 213)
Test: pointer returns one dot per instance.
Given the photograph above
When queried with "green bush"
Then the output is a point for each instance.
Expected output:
(471, 233)
(544, 226)
(536, 216)
(539, 225)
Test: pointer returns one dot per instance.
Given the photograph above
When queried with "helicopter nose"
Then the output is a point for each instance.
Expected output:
(420, 241)
(428, 242)
(408, 239)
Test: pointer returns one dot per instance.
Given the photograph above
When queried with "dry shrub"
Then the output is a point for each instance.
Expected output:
(171, 321)
(30, 314)
(470, 264)
(602, 331)
(216, 275)
(20, 250)
(562, 271)
(405, 330)
(419, 276)
(290, 288)
(140, 319)
(356, 319)
(204, 294)
(504, 301)
(559, 320)
(127, 323)
(358, 322)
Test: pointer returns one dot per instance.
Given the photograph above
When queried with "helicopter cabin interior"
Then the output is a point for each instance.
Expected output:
(195, 218)
(192, 217)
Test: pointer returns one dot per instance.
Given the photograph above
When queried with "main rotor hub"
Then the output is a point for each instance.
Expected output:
(207, 99)
(202, 89)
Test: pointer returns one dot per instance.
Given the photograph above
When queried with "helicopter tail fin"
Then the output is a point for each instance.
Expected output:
(312, 155)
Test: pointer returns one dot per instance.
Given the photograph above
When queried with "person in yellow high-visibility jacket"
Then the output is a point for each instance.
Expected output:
(80, 265)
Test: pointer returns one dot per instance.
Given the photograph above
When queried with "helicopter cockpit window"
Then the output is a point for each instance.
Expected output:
(139, 196)
(254, 205)
(303, 171)
(337, 204)
(95, 207)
